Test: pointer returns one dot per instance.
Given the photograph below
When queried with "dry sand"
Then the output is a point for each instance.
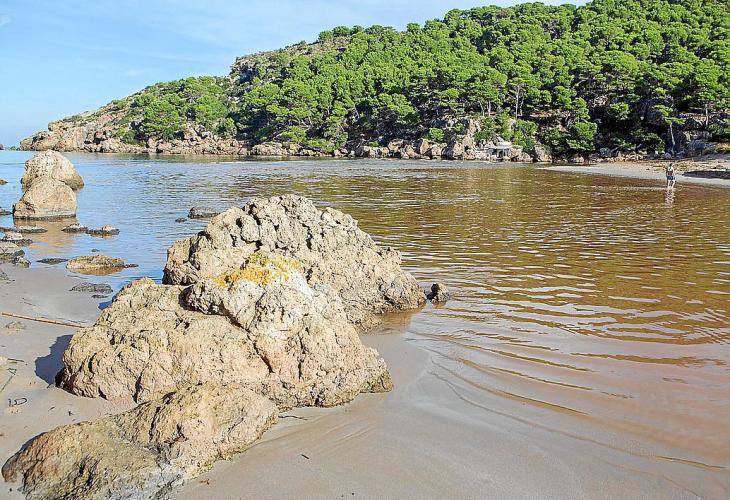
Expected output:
(687, 172)
(434, 436)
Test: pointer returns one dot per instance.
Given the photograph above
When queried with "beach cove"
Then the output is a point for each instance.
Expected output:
(587, 336)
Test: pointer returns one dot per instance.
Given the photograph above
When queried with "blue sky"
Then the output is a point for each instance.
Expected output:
(60, 57)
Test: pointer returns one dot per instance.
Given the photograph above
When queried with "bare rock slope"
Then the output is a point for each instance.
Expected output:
(329, 245)
(143, 452)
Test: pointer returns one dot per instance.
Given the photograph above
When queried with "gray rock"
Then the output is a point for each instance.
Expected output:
(144, 452)
(438, 294)
(52, 261)
(104, 231)
(17, 238)
(330, 247)
(20, 261)
(9, 250)
(75, 228)
(23, 229)
(202, 213)
(181, 219)
(3, 276)
(4, 211)
(101, 288)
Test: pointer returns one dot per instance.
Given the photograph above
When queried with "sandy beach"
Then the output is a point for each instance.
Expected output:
(712, 172)
(432, 436)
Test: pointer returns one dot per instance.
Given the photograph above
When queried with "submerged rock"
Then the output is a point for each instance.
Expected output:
(438, 294)
(75, 228)
(51, 165)
(3, 276)
(52, 261)
(4, 211)
(146, 451)
(262, 326)
(202, 213)
(93, 264)
(24, 229)
(101, 288)
(103, 231)
(181, 219)
(46, 198)
(330, 247)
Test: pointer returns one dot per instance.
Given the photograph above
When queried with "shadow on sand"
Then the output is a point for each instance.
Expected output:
(47, 367)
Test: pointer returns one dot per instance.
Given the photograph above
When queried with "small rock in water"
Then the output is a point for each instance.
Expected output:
(24, 229)
(181, 219)
(4, 212)
(52, 261)
(75, 228)
(17, 238)
(202, 213)
(9, 250)
(95, 264)
(102, 288)
(95, 250)
(104, 231)
(3, 182)
(438, 294)
(20, 261)
(3, 276)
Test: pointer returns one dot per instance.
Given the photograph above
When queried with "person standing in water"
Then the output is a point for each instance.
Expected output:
(669, 170)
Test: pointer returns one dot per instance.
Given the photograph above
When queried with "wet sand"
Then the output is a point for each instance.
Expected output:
(435, 436)
(687, 172)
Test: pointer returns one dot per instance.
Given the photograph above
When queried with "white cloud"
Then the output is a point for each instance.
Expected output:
(4, 19)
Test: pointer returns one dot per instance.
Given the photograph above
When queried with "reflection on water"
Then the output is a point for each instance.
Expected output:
(604, 300)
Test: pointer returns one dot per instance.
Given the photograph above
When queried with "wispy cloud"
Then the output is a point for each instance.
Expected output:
(4, 19)
(131, 73)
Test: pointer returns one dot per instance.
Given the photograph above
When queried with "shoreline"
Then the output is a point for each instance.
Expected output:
(432, 435)
(649, 170)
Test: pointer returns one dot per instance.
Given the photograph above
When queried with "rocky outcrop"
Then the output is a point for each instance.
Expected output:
(103, 231)
(95, 264)
(9, 250)
(46, 198)
(144, 452)
(17, 238)
(329, 245)
(202, 213)
(262, 326)
(51, 165)
(24, 229)
(75, 228)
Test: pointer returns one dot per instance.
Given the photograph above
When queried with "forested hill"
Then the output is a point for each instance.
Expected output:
(626, 75)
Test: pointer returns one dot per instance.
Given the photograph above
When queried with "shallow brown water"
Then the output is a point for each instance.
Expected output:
(601, 303)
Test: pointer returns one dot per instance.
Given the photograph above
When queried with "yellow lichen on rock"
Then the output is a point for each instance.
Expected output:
(262, 269)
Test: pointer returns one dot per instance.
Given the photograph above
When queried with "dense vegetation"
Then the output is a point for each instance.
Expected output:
(623, 74)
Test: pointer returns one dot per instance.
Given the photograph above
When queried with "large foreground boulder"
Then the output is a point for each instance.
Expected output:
(53, 165)
(262, 326)
(46, 198)
(329, 245)
(144, 452)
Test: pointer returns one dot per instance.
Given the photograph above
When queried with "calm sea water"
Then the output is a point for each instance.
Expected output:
(601, 300)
